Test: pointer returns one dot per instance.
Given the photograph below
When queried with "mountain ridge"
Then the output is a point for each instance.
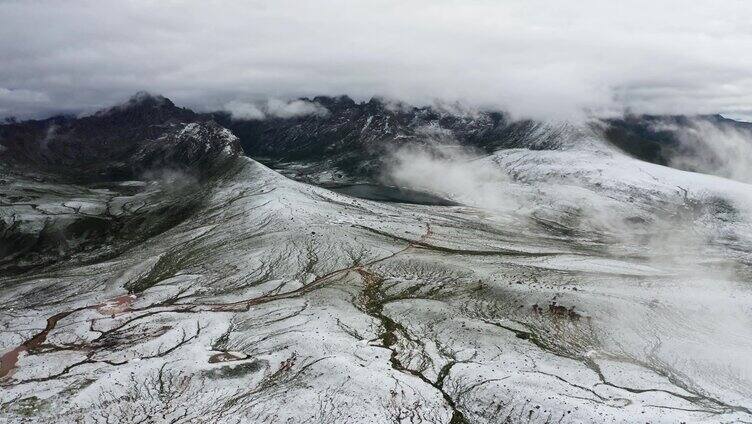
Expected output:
(354, 139)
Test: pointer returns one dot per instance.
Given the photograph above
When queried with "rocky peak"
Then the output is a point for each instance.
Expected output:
(142, 108)
(335, 103)
(117, 142)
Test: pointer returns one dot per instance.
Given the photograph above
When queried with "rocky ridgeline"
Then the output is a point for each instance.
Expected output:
(146, 133)
(353, 138)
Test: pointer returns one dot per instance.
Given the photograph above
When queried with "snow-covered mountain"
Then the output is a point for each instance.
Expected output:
(355, 141)
(152, 272)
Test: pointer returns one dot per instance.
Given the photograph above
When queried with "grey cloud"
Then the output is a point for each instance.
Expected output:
(533, 57)
(21, 102)
(282, 109)
(274, 108)
(244, 111)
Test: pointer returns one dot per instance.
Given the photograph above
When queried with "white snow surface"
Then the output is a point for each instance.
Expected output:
(584, 286)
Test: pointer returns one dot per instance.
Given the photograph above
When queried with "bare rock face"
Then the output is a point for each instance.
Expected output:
(115, 144)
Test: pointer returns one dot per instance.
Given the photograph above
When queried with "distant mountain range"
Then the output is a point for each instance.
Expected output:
(352, 138)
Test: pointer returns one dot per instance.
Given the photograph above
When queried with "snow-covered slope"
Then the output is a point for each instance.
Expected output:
(567, 285)
(276, 301)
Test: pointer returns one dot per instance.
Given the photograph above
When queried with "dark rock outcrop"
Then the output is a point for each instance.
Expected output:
(356, 137)
(114, 144)
(83, 189)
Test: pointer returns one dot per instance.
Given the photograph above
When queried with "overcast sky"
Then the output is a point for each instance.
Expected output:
(532, 57)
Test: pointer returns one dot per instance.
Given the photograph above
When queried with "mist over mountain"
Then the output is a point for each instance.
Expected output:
(357, 138)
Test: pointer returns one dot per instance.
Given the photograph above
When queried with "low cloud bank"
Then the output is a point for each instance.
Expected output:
(451, 172)
(715, 149)
(274, 108)
(20, 102)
